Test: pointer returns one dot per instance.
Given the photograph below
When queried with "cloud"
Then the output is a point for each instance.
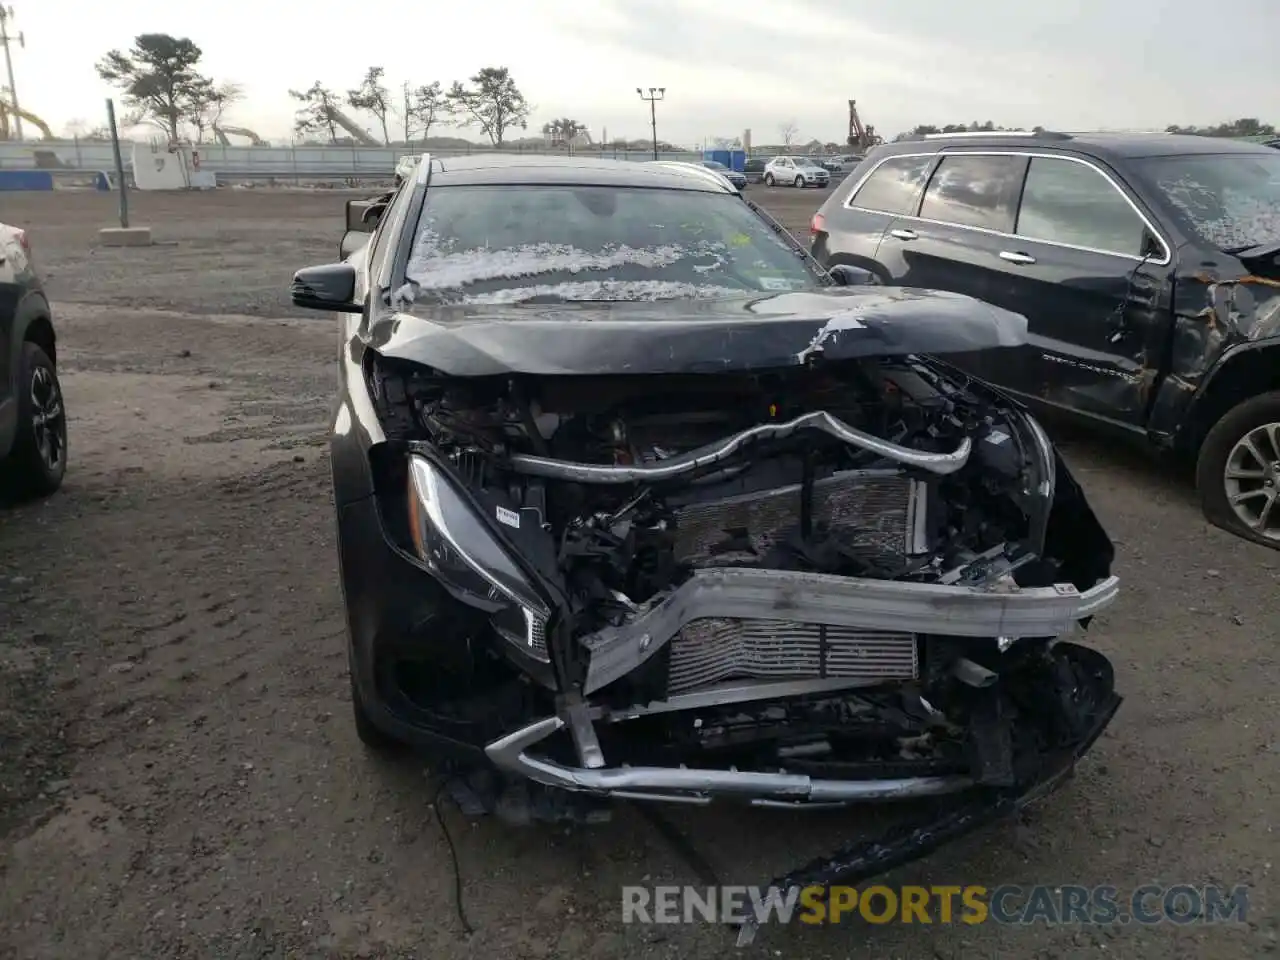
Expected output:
(726, 66)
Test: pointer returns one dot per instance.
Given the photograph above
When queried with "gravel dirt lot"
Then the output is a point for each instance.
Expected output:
(179, 776)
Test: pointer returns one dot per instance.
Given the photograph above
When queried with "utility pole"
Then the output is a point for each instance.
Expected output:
(408, 113)
(6, 14)
(655, 94)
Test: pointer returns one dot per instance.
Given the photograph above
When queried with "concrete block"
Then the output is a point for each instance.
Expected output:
(125, 236)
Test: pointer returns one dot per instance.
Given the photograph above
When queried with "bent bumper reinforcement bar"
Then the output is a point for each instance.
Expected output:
(683, 783)
(749, 594)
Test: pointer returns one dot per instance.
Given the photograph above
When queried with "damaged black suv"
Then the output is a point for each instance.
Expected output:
(1147, 266)
(636, 500)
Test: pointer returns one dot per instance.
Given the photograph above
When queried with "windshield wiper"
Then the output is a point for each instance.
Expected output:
(1254, 251)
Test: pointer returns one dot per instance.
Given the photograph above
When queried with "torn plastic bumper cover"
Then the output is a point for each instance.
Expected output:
(957, 611)
(867, 858)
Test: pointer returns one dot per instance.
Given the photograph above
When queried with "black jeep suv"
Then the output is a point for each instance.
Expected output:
(1147, 266)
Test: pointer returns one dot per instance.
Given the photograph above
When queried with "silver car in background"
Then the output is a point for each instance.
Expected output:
(795, 172)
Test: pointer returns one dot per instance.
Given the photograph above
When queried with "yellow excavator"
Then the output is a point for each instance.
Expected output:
(8, 130)
(861, 138)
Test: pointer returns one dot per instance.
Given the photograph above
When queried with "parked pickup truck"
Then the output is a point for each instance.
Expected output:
(1148, 267)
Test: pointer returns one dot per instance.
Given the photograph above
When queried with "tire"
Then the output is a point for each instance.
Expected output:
(38, 460)
(1222, 449)
(799, 182)
(768, 179)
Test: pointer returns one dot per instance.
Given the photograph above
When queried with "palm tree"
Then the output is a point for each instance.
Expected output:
(569, 129)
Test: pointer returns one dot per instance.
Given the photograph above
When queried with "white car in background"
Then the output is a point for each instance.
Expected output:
(795, 172)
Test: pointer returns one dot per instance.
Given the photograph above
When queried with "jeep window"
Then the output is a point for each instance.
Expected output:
(1228, 200)
(1068, 202)
(975, 190)
(559, 242)
(895, 185)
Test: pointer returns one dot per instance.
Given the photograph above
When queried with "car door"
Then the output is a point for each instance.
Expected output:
(1092, 275)
(849, 230)
(953, 243)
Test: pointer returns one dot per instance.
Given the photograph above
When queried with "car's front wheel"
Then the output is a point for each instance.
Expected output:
(1238, 470)
(768, 179)
(38, 460)
(800, 182)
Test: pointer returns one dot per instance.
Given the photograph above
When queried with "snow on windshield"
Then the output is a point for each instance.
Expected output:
(504, 245)
(1233, 203)
(607, 290)
(433, 269)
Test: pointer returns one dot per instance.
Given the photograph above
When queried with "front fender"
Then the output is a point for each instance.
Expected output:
(356, 427)
(32, 307)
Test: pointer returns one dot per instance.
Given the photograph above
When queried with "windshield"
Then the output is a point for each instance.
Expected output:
(714, 165)
(507, 244)
(1229, 200)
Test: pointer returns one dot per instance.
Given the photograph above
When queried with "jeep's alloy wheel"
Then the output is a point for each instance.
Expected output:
(1252, 479)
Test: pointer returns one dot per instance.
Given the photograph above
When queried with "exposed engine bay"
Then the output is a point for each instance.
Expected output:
(801, 500)
(856, 569)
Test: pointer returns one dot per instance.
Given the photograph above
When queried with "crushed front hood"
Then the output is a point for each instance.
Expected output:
(774, 330)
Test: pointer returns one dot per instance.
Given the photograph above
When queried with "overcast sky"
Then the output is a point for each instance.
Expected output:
(727, 65)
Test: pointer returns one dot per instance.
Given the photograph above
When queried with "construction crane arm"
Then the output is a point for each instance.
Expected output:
(346, 123)
(8, 110)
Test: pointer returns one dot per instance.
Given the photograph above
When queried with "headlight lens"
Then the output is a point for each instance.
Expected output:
(456, 546)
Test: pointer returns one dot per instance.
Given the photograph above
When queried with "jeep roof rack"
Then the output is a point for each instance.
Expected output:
(1041, 134)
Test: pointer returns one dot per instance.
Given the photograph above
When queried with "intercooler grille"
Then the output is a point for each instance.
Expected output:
(715, 650)
(876, 508)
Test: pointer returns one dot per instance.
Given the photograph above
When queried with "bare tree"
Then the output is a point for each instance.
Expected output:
(205, 103)
(374, 97)
(82, 130)
(789, 132)
(425, 106)
(316, 114)
(493, 103)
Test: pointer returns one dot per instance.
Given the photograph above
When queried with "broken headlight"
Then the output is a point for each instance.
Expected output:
(456, 546)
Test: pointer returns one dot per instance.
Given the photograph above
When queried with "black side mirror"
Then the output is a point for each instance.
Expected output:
(846, 275)
(363, 215)
(328, 287)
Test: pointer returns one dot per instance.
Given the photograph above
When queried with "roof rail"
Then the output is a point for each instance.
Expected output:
(424, 168)
(1041, 134)
(706, 174)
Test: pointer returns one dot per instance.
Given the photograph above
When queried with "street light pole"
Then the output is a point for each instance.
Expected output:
(654, 95)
